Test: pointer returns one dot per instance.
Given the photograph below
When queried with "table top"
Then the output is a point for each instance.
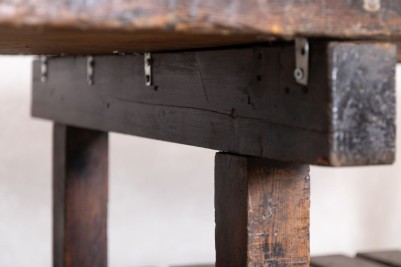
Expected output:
(106, 26)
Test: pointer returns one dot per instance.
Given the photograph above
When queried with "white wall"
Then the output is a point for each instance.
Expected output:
(161, 195)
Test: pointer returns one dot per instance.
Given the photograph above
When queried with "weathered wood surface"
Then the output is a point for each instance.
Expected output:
(78, 26)
(389, 258)
(261, 212)
(342, 261)
(243, 100)
(80, 194)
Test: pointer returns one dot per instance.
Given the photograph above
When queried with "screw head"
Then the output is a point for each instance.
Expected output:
(372, 5)
(298, 74)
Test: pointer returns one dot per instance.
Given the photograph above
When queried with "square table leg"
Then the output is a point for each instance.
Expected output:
(80, 196)
(261, 212)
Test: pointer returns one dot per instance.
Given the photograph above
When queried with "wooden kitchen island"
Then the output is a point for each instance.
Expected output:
(273, 85)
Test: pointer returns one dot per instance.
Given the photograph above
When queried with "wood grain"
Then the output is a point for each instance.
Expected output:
(243, 100)
(80, 195)
(261, 212)
(77, 26)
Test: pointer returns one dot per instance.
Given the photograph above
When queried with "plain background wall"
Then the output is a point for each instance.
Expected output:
(161, 195)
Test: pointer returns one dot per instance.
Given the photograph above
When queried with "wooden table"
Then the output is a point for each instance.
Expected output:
(225, 75)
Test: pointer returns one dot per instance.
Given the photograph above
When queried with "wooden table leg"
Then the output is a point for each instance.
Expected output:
(261, 212)
(80, 188)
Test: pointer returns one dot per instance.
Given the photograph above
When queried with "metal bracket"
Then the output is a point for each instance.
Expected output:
(301, 72)
(148, 69)
(90, 70)
(43, 69)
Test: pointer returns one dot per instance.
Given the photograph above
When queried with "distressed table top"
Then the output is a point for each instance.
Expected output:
(104, 26)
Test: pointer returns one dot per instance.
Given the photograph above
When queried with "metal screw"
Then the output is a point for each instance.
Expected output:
(43, 69)
(299, 74)
(301, 71)
(148, 69)
(372, 5)
(90, 63)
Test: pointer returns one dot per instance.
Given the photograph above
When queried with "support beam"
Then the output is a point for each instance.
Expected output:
(80, 188)
(242, 100)
(261, 212)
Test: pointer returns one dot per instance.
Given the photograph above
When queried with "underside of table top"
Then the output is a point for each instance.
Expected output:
(106, 26)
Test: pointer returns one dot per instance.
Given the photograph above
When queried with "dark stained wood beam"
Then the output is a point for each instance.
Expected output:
(80, 195)
(242, 100)
(76, 26)
(261, 212)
